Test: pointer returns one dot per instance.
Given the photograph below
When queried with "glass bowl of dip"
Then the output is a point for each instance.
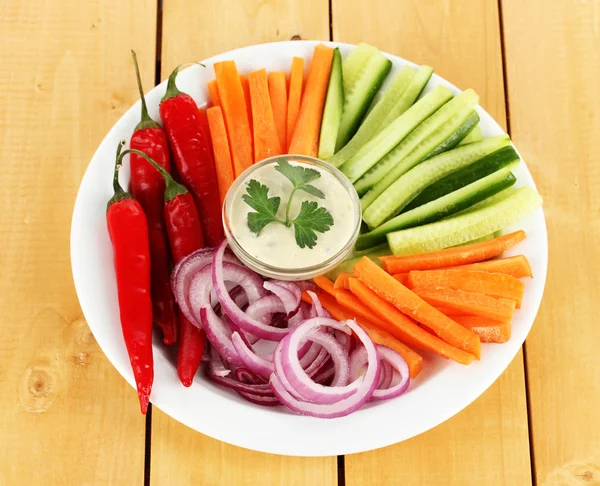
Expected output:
(274, 252)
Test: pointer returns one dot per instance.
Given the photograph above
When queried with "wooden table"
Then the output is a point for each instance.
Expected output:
(68, 418)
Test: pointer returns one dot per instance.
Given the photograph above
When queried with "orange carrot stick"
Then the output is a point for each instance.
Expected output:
(223, 164)
(452, 256)
(488, 331)
(266, 140)
(246, 88)
(213, 93)
(295, 96)
(325, 284)
(449, 312)
(339, 313)
(492, 284)
(402, 278)
(516, 266)
(278, 93)
(469, 303)
(387, 287)
(235, 112)
(401, 327)
(342, 281)
(305, 139)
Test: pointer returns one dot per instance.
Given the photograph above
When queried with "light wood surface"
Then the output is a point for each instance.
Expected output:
(66, 416)
(487, 443)
(180, 455)
(553, 79)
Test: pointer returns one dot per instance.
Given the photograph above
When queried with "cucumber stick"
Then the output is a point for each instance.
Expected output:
(503, 157)
(372, 123)
(354, 63)
(465, 227)
(489, 237)
(450, 204)
(360, 95)
(410, 184)
(334, 103)
(376, 148)
(425, 138)
(475, 136)
(491, 199)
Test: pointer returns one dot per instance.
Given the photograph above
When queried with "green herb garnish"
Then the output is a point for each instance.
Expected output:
(311, 218)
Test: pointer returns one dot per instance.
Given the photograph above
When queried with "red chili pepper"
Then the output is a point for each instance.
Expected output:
(185, 236)
(191, 145)
(148, 187)
(128, 230)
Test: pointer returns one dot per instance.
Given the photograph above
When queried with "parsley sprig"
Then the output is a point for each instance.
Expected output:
(311, 219)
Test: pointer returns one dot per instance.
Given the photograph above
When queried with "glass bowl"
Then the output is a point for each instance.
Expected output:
(300, 272)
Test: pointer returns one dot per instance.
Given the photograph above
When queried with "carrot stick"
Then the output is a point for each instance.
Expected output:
(492, 284)
(278, 93)
(295, 96)
(469, 303)
(223, 164)
(305, 139)
(515, 266)
(213, 93)
(339, 313)
(452, 256)
(266, 140)
(449, 312)
(342, 281)
(488, 331)
(235, 112)
(387, 287)
(246, 89)
(325, 284)
(401, 327)
(402, 278)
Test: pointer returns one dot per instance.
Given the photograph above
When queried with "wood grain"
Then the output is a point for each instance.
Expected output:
(552, 53)
(196, 31)
(487, 443)
(66, 416)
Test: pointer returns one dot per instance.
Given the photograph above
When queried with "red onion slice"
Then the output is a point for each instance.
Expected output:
(262, 389)
(263, 309)
(246, 376)
(345, 406)
(317, 310)
(233, 311)
(265, 401)
(218, 334)
(255, 363)
(289, 299)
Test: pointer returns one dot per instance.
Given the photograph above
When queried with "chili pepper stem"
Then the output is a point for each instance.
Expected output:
(146, 121)
(172, 188)
(172, 89)
(120, 193)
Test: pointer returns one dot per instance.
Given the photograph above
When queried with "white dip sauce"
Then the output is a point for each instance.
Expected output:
(276, 245)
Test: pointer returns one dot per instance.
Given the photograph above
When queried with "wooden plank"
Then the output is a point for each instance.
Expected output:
(552, 52)
(181, 455)
(488, 442)
(66, 416)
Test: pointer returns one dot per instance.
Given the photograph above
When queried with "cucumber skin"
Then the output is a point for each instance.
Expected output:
(474, 136)
(374, 119)
(350, 123)
(448, 205)
(332, 113)
(469, 226)
(354, 62)
(456, 137)
(463, 177)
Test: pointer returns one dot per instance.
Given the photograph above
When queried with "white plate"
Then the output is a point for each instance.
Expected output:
(443, 389)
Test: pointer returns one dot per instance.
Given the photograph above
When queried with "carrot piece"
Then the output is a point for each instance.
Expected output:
(278, 93)
(387, 287)
(266, 140)
(235, 112)
(489, 331)
(402, 278)
(342, 281)
(515, 266)
(449, 312)
(403, 328)
(325, 284)
(223, 164)
(452, 256)
(305, 140)
(213, 93)
(295, 96)
(339, 313)
(492, 284)
(246, 89)
(468, 303)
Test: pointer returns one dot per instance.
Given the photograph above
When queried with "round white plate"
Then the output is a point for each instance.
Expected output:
(440, 391)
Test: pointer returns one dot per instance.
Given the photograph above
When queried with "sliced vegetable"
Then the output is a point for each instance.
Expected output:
(385, 286)
(295, 96)
(266, 139)
(213, 93)
(458, 229)
(516, 266)
(220, 144)
(305, 140)
(334, 104)
(468, 303)
(355, 63)
(248, 98)
(452, 256)
(279, 101)
(380, 145)
(403, 279)
(412, 183)
(342, 281)
(488, 331)
(474, 135)
(347, 265)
